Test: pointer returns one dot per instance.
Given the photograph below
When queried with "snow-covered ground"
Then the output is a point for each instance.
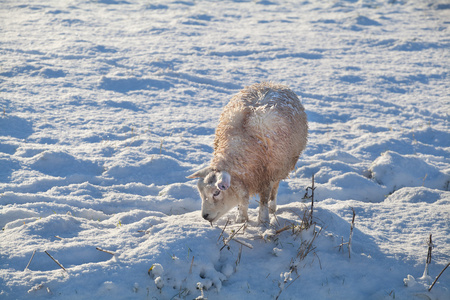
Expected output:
(106, 106)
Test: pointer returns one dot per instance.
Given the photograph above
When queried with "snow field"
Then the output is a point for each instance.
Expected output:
(106, 106)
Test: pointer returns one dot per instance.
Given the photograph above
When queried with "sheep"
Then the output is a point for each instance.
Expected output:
(260, 136)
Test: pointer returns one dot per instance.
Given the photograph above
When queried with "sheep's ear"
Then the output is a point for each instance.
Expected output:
(201, 174)
(223, 180)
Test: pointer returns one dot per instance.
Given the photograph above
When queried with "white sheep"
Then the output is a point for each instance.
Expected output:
(261, 133)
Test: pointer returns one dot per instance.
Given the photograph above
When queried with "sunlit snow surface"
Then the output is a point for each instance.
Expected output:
(106, 106)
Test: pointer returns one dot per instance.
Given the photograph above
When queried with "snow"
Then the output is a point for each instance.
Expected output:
(106, 106)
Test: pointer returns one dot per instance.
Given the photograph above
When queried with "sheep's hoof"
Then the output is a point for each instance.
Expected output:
(241, 219)
(264, 220)
(273, 206)
(264, 224)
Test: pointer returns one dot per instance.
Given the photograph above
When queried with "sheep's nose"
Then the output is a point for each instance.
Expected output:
(205, 216)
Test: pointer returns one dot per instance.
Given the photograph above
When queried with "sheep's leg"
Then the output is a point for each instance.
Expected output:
(242, 208)
(273, 198)
(264, 197)
(243, 215)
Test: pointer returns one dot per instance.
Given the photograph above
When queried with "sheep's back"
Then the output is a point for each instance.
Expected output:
(261, 133)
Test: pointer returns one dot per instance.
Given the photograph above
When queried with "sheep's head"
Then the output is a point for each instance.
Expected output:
(217, 198)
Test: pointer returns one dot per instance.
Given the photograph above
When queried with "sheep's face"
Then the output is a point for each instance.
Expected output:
(217, 199)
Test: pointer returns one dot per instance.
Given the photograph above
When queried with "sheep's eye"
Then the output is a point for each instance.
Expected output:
(216, 193)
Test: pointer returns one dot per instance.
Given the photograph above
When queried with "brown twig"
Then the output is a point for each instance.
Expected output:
(221, 234)
(243, 243)
(351, 233)
(342, 244)
(57, 262)
(428, 261)
(34, 252)
(238, 260)
(434, 282)
(287, 227)
(274, 213)
(231, 237)
(106, 251)
(292, 281)
(304, 225)
(430, 248)
(312, 188)
(305, 248)
(318, 258)
(192, 263)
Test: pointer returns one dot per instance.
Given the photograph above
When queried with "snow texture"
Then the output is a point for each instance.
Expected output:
(106, 106)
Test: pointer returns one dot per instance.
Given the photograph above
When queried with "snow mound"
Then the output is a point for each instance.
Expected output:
(419, 195)
(351, 185)
(159, 170)
(395, 171)
(16, 214)
(56, 163)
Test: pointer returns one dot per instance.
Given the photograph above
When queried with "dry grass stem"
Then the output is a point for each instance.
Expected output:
(428, 261)
(34, 252)
(221, 234)
(351, 234)
(305, 248)
(238, 260)
(192, 263)
(430, 248)
(106, 251)
(310, 188)
(243, 243)
(57, 262)
(434, 282)
(287, 227)
(231, 237)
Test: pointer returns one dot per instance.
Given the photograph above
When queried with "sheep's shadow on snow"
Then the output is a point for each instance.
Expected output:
(336, 230)
(328, 262)
(332, 226)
